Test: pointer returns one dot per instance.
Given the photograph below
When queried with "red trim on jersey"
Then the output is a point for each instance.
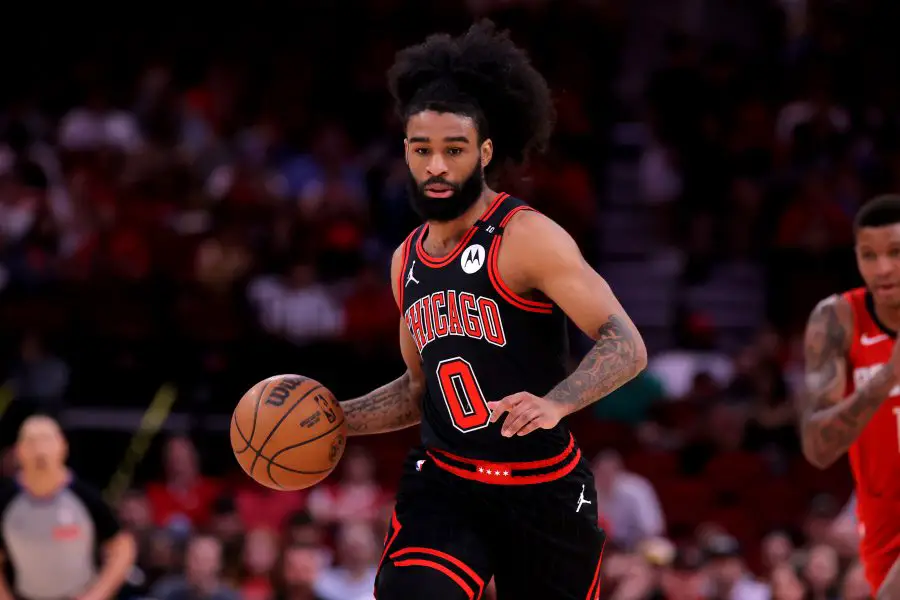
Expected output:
(500, 286)
(402, 274)
(594, 590)
(510, 473)
(425, 562)
(437, 263)
(533, 464)
(393, 533)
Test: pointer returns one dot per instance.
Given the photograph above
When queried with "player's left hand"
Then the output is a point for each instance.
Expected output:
(527, 413)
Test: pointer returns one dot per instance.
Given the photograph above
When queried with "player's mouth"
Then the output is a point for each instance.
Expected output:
(884, 288)
(439, 191)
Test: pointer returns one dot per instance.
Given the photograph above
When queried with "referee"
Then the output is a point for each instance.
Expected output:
(53, 527)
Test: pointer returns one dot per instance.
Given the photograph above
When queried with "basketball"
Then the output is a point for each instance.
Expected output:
(288, 432)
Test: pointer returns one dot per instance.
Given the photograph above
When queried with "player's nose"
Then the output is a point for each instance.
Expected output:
(437, 166)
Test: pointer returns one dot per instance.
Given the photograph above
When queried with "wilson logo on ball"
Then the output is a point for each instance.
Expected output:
(281, 391)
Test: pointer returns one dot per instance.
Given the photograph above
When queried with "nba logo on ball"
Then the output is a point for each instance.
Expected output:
(472, 259)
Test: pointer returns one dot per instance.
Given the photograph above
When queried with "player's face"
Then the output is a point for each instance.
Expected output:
(878, 258)
(446, 164)
(41, 445)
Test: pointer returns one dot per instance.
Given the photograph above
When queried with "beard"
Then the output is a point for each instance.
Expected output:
(441, 210)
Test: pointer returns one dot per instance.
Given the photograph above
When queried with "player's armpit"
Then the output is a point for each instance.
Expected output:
(398, 404)
(540, 255)
(829, 422)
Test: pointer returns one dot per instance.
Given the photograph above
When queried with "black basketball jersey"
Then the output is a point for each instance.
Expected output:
(480, 342)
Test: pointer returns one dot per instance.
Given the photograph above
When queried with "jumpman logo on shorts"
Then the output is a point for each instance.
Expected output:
(581, 500)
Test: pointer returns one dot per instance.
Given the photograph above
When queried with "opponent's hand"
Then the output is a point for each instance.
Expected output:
(527, 413)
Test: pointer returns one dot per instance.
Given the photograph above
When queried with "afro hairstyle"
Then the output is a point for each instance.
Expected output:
(484, 76)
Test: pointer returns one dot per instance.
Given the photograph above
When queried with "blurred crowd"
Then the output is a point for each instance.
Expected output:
(211, 208)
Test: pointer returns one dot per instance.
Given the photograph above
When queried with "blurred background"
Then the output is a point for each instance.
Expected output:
(215, 200)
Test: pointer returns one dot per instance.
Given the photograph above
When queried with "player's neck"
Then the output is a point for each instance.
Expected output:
(889, 316)
(450, 232)
(45, 482)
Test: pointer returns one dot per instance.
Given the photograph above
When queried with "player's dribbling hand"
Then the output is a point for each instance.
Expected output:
(527, 413)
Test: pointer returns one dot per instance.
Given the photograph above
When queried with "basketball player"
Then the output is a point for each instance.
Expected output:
(499, 488)
(852, 376)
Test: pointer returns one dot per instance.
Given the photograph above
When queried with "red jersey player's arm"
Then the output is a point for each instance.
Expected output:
(541, 255)
(398, 404)
(829, 420)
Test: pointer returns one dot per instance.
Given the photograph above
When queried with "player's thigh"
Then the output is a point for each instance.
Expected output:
(433, 548)
(552, 548)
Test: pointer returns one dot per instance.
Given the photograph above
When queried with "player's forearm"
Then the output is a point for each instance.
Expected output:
(119, 556)
(828, 430)
(394, 406)
(616, 358)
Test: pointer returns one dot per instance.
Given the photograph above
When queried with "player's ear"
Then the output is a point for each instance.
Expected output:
(406, 150)
(487, 152)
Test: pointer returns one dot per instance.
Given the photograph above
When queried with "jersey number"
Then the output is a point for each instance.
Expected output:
(462, 395)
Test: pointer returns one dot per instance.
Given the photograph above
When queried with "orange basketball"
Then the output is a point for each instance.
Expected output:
(288, 432)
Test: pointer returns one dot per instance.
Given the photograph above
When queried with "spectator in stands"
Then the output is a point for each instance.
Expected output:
(682, 578)
(300, 569)
(844, 534)
(786, 584)
(777, 549)
(354, 578)
(259, 559)
(355, 496)
(817, 526)
(134, 514)
(202, 574)
(260, 506)
(185, 497)
(729, 575)
(855, 586)
(302, 529)
(39, 378)
(695, 353)
(294, 306)
(821, 573)
(228, 526)
(626, 501)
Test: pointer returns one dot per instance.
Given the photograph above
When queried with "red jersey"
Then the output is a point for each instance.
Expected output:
(875, 455)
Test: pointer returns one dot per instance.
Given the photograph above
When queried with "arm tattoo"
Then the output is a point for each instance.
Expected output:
(829, 422)
(615, 359)
(394, 406)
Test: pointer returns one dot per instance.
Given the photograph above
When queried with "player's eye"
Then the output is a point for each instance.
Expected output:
(894, 252)
(454, 151)
(421, 151)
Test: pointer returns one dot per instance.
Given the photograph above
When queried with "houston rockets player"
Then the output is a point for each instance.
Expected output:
(852, 377)
(498, 488)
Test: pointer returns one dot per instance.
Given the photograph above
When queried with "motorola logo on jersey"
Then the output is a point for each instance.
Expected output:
(455, 313)
(861, 375)
(472, 259)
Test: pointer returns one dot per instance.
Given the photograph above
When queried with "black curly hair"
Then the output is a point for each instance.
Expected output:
(484, 76)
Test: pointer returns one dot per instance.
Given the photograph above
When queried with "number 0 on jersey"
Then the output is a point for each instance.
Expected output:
(462, 395)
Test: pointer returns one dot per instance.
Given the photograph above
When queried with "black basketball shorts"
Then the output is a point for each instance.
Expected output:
(459, 522)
